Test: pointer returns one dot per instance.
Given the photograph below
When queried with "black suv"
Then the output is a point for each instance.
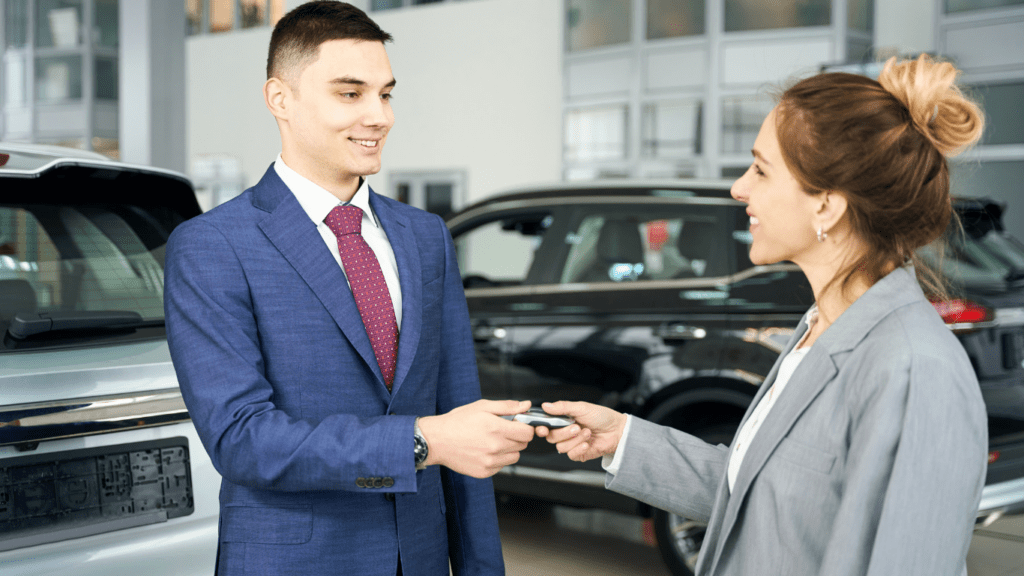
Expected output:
(641, 296)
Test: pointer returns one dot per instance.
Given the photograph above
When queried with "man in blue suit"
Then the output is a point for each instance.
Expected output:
(322, 343)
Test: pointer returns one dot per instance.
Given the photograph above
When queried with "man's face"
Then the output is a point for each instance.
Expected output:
(340, 113)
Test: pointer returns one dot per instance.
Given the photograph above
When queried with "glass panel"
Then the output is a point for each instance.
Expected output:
(768, 14)
(106, 23)
(595, 134)
(15, 79)
(1004, 123)
(58, 23)
(77, 258)
(386, 4)
(16, 19)
(631, 243)
(734, 171)
(222, 15)
(672, 18)
(672, 129)
(500, 253)
(439, 198)
(276, 11)
(860, 15)
(254, 13)
(106, 78)
(194, 16)
(965, 5)
(742, 117)
(593, 23)
(58, 78)
(424, 1)
(996, 180)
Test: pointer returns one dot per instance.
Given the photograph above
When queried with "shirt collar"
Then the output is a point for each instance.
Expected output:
(317, 202)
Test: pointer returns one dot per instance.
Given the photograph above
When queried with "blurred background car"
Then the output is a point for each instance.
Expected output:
(101, 471)
(640, 296)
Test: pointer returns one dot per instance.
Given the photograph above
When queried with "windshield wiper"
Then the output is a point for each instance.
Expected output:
(25, 324)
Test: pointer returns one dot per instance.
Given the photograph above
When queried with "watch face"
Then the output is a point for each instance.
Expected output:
(420, 450)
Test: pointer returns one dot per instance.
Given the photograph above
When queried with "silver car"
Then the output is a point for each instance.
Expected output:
(101, 470)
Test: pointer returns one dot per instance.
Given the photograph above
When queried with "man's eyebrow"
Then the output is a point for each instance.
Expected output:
(358, 82)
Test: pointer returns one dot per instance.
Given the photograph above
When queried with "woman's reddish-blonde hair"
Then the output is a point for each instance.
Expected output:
(883, 145)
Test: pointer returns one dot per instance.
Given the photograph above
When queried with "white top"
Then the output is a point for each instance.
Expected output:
(611, 462)
(318, 203)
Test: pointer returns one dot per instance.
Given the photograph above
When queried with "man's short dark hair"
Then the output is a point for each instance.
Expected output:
(297, 37)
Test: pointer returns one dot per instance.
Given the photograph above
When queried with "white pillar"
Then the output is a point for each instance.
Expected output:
(152, 83)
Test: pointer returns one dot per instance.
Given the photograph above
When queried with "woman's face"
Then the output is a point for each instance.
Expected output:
(781, 213)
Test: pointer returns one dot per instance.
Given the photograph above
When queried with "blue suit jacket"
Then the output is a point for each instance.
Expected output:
(281, 382)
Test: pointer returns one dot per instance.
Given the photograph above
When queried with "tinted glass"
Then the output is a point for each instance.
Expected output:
(86, 258)
(768, 14)
(672, 18)
(742, 117)
(1004, 123)
(672, 129)
(501, 252)
(16, 23)
(595, 23)
(637, 243)
(860, 15)
(106, 18)
(58, 78)
(58, 23)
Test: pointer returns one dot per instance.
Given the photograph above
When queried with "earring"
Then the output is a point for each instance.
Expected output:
(822, 235)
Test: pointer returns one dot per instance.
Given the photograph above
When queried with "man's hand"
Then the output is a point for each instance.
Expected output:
(474, 440)
(596, 432)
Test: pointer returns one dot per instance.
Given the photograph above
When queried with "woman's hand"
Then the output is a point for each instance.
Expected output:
(596, 432)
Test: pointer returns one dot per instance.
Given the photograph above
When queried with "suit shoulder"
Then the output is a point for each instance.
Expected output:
(216, 221)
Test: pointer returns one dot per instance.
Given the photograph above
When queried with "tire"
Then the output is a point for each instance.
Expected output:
(680, 539)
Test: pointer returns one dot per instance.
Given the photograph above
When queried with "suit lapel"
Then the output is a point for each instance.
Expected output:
(291, 231)
(403, 244)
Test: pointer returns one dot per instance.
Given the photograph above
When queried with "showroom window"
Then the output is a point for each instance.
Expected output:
(595, 134)
(770, 14)
(672, 129)
(596, 23)
(967, 5)
(673, 19)
(742, 117)
(1001, 101)
(860, 15)
(212, 16)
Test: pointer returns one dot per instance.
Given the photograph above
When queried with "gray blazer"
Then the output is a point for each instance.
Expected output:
(872, 460)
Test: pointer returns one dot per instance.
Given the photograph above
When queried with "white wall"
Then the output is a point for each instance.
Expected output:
(479, 89)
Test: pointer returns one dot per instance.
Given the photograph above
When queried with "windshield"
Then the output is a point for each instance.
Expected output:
(60, 258)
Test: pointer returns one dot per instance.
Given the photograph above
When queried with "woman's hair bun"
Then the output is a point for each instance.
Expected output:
(938, 108)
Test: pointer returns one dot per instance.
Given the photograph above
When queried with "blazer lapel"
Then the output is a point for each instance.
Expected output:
(403, 244)
(291, 231)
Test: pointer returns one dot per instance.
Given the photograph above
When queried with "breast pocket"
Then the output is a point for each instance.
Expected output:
(805, 456)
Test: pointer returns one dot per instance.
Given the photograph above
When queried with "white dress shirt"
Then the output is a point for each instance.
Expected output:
(318, 203)
(611, 462)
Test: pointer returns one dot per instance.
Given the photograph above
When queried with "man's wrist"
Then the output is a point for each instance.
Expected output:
(421, 450)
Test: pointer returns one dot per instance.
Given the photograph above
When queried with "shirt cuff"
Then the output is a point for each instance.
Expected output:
(611, 462)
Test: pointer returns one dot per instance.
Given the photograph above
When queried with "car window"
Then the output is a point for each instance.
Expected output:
(615, 243)
(87, 258)
(501, 252)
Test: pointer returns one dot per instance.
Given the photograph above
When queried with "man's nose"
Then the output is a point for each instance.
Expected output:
(378, 113)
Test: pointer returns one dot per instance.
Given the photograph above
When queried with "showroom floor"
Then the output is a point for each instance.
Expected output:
(541, 540)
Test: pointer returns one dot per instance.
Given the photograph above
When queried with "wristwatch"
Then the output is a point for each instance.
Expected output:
(420, 449)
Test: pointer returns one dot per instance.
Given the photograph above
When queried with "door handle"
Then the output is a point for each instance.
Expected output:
(677, 331)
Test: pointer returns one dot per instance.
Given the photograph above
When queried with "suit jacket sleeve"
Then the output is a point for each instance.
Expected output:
(914, 472)
(473, 540)
(670, 470)
(215, 348)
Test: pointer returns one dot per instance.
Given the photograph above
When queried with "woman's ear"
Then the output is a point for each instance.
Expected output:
(831, 209)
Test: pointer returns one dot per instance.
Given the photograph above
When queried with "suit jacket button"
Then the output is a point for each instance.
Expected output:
(389, 482)
(361, 482)
(378, 482)
(390, 496)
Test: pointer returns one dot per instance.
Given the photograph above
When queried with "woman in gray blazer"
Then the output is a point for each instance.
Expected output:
(864, 451)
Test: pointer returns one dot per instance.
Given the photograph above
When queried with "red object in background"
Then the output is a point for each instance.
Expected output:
(4, 158)
(657, 234)
(993, 456)
(958, 311)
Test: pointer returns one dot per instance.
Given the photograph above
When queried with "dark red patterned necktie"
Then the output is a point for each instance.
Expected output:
(368, 286)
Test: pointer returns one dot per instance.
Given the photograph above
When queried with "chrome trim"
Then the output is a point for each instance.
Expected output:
(1002, 498)
(579, 477)
(42, 421)
(631, 286)
(574, 200)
